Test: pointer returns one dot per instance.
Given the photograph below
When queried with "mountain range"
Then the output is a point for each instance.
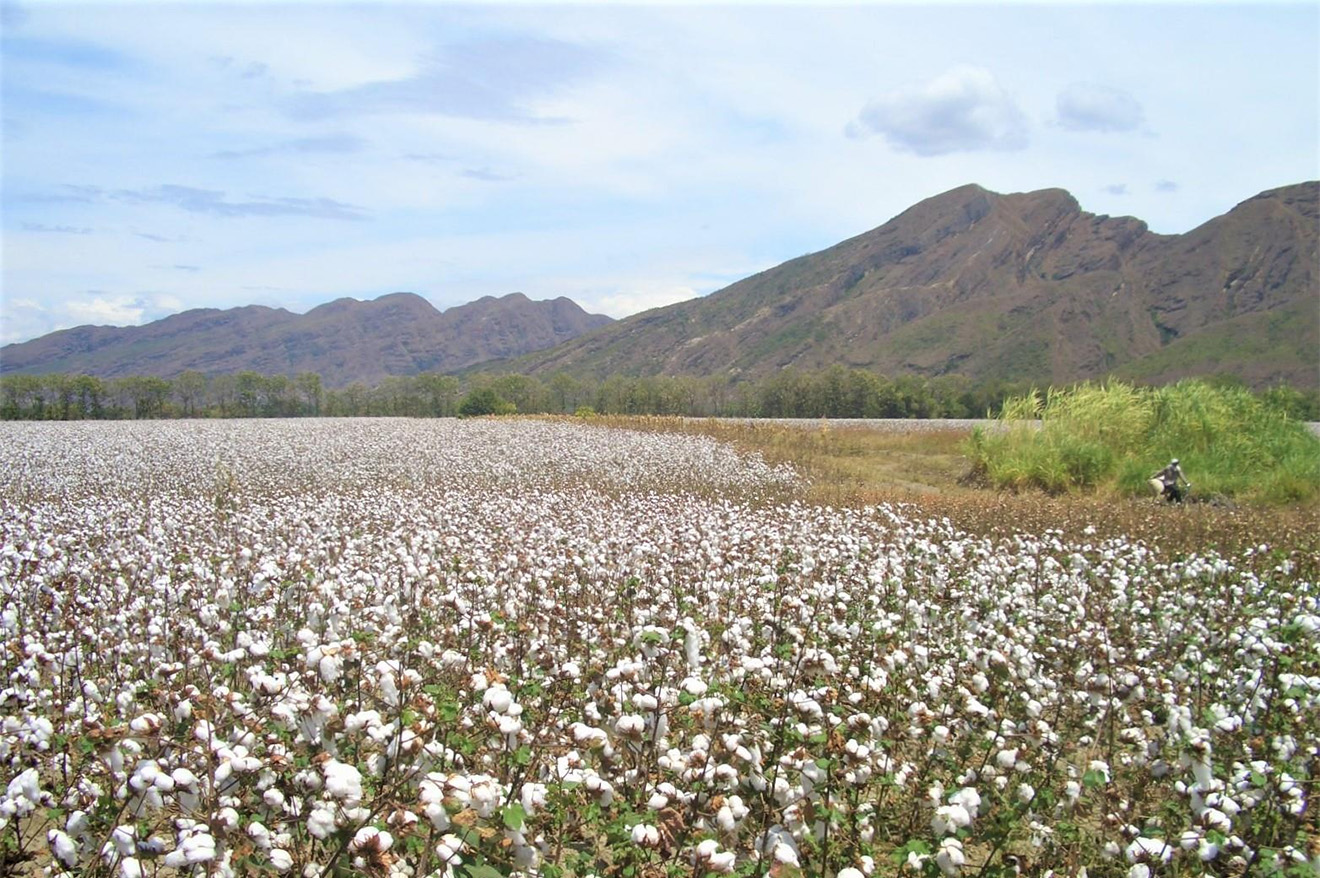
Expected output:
(343, 341)
(1019, 287)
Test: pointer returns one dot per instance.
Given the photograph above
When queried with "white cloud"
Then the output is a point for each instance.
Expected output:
(1087, 106)
(962, 110)
(103, 309)
(634, 298)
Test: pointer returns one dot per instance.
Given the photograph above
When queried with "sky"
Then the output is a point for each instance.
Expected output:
(164, 156)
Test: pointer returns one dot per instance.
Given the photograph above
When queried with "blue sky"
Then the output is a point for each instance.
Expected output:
(164, 156)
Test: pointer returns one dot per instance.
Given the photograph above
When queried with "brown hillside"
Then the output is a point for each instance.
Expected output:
(1023, 286)
(344, 341)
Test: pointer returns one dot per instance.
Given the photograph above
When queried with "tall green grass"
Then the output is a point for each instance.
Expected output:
(1114, 436)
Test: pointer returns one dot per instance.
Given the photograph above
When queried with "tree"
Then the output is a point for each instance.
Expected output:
(308, 385)
(190, 390)
(437, 393)
(145, 393)
(484, 401)
(248, 386)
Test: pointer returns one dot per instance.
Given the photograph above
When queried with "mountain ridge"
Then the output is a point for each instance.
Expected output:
(1021, 287)
(1018, 286)
(345, 340)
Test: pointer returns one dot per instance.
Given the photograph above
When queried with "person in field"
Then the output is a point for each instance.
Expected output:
(1170, 482)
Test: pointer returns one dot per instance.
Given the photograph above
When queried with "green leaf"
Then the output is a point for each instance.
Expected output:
(478, 870)
(514, 815)
(1093, 779)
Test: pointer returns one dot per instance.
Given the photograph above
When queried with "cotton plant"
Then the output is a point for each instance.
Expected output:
(437, 648)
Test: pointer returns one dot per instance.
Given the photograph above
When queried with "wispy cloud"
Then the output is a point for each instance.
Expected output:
(497, 79)
(486, 175)
(962, 110)
(1087, 106)
(64, 52)
(62, 230)
(333, 144)
(68, 192)
(209, 201)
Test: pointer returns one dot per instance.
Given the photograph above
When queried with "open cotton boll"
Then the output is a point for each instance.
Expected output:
(950, 857)
(321, 823)
(281, 860)
(1148, 850)
(497, 699)
(369, 837)
(342, 781)
(63, 848)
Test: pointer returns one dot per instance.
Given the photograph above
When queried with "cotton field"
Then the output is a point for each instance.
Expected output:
(434, 648)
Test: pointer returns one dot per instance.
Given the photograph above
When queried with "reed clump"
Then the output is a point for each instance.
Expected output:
(1112, 437)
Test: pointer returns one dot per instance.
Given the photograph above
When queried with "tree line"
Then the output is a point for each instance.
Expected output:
(835, 392)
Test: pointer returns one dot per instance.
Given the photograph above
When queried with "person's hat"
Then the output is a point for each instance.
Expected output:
(1175, 460)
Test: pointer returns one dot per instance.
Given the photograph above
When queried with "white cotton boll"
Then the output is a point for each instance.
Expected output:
(969, 798)
(694, 686)
(436, 813)
(532, 797)
(1139, 870)
(321, 823)
(260, 834)
(448, 850)
(948, 819)
(342, 781)
(950, 857)
(146, 724)
(199, 848)
(371, 837)
(24, 791)
(273, 798)
(130, 867)
(786, 854)
(281, 860)
(1148, 850)
(497, 699)
(646, 835)
(329, 668)
(850, 872)
(63, 848)
(124, 840)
